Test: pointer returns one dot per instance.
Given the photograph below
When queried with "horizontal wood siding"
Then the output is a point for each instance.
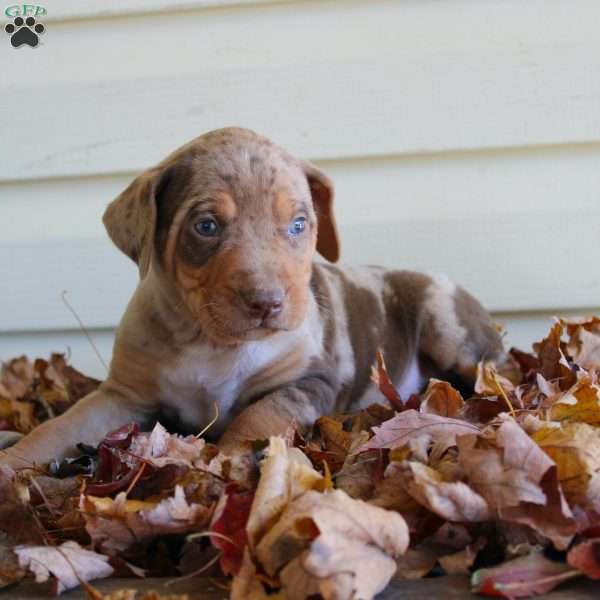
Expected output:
(463, 137)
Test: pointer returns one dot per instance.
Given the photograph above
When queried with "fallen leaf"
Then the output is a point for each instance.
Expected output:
(575, 448)
(460, 563)
(553, 363)
(286, 473)
(351, 546)
(229, 522)
(453, 501)
(161, 448)
(440, 398)
(114, 525)
(584, 341)
(531, 575)
(68, 563)
(585, 557)
(519, 480)
(580, 403)
(490, 383)
(399, 430)
(381, 378)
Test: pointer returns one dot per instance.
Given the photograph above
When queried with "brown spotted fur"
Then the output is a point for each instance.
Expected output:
(185, 342)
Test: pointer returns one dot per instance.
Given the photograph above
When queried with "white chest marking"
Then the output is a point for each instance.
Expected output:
(206, 375)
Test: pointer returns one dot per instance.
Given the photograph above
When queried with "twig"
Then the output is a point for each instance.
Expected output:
(215, 419)
(83, 329)
(503, 394)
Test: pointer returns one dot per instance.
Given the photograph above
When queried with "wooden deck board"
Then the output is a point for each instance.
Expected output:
(450, 588)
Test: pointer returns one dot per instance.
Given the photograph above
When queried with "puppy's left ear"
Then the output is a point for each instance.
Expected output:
(321, 189)
(130, 219)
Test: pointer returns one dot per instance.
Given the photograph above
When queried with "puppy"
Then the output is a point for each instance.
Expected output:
(232, 311)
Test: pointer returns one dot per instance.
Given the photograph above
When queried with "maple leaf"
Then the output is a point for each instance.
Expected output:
(553, 363)
(584, 341)
(117, 524)
(68, 564)
(315, 541)
(340, 545)
(160, 448)
(490, 383)
(286, 473)
(585, 557)
(440, 398)
(460, 563)
(381, 378)
(522, 577)
(519, 480)
(580, 403)
(575, 448)
(399, 430)
(453, 501)
(229, 522)
(16, 522)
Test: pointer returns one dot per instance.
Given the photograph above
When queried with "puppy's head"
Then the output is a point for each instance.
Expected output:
(232, 222)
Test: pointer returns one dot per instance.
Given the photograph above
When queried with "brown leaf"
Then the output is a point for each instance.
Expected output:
(440, 398)
(286, 473)
(490, 383)
(584, 341)
(580, 403)
(530, 575)
(16, 520)
(519, 480)
(575, 448)
(117, 524)
(416, 563)
(460, 563)
(585, 557)
(68, 563)
(553, 363)
(380, 377)
(453, 501)
(351, 547)
(410, 424)
(10, 571)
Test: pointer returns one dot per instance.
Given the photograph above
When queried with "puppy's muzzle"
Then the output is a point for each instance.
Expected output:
(262, 304)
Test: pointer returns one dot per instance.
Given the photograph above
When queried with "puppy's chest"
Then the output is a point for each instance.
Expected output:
(205, 376)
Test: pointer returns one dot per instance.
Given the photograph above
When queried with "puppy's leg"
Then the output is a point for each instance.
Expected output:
(88, 421)
(296, 405)
(457, 332)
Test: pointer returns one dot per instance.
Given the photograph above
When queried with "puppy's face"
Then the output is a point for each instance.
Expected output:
(235, 232)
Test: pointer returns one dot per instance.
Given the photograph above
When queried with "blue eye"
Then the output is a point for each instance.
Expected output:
(297, 226)
(207, 227)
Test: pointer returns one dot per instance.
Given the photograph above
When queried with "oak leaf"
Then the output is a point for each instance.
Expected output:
(68, 564)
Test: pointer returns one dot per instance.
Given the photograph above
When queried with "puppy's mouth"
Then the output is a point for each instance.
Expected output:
(230, 327)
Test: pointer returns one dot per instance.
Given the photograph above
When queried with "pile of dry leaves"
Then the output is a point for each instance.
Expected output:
(503, 486)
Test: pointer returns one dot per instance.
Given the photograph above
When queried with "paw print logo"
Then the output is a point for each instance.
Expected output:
(24, 32)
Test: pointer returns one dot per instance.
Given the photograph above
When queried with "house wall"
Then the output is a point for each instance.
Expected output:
(463, 137)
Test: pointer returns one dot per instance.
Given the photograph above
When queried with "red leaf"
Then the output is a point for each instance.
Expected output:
(530, 575)
(231, 524)
(380, 377)
(586, 558)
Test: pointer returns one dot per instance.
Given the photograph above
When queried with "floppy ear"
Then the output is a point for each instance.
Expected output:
(321, 188)
(130, 219)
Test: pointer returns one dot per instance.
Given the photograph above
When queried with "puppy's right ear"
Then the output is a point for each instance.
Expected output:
(130, 219)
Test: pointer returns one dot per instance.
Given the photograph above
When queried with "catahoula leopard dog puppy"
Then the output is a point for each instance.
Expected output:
(232, 309)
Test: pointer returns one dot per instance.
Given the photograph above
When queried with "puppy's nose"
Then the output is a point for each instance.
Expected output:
(263, 303)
